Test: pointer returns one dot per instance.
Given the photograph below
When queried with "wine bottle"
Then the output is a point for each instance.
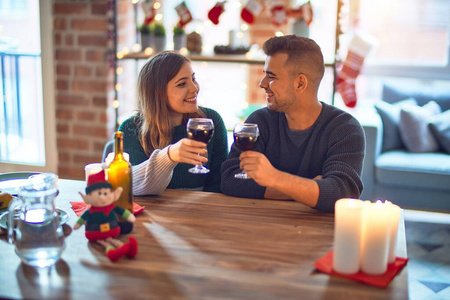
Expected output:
(119, 174)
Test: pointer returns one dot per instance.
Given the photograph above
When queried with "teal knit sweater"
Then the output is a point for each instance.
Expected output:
(181, 178)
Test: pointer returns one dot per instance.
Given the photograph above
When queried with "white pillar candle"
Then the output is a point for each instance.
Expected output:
(375, 240)
(347, 235)
(92, 169)
(394, 219)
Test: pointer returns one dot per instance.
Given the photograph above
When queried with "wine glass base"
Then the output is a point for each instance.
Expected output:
(201, 170)
(241, 176)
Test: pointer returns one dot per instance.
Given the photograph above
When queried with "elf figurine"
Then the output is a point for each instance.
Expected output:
(102, 225)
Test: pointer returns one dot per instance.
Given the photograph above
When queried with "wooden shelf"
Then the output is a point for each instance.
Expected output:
(225, 58)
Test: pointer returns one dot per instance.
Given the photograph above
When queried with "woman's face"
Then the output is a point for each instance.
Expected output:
(182, 93)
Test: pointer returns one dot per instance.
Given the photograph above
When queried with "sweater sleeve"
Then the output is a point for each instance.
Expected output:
(152, 176)
(219, 153)
(341, 177)
(246, 188)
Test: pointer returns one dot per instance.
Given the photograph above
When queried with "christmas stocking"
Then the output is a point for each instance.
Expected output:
(279, 16)
(149, 11)
(345, 84)
(307, 13)
(216, 11)
(251, 10)
(184, 14)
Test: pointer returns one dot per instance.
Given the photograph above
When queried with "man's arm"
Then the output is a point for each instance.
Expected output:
(279, 185)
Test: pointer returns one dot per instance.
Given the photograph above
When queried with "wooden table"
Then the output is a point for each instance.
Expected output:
(196, 245)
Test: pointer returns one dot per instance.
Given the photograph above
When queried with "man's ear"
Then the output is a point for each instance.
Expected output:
(301, 82)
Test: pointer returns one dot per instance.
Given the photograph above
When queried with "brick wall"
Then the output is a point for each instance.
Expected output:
(84, 87)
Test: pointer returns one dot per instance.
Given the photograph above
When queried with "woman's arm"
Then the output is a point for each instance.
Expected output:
(152, 176)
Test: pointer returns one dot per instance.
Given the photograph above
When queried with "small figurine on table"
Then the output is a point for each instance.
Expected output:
(101, 221)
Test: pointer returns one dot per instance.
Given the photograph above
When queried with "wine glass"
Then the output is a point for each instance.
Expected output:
(245, 138)
(200, 129)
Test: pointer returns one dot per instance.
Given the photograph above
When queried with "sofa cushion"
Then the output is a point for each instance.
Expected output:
(417, 170)
(440, 127)
(422, 93)
(414, 130)
(390, 118)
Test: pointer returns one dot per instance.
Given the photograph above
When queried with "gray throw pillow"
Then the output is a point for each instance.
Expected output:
(390, 117)
(440, 127)
(414, 130)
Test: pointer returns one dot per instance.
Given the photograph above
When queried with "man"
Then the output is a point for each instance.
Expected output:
(307, 151)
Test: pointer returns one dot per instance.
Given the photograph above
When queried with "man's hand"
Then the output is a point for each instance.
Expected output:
(187, 151)
(259, 168)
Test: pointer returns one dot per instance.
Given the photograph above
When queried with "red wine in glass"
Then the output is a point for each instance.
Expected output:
(200, 129)
(200, 135)
(245, 138)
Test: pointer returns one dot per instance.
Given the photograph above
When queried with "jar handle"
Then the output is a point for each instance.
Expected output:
(11, 224)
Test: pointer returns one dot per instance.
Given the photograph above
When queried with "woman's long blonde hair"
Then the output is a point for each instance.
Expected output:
(154, 122)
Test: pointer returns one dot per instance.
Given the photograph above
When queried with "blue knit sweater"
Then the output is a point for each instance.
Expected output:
(332, 147)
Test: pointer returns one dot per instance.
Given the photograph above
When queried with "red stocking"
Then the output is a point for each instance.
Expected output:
(216, 11)
(149, 11)
(358, 50)
(184, 13)
(307, 13)
(279, 16)
(251, 10)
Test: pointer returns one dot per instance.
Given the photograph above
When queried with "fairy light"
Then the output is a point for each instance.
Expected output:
(118, 87)
(240, 35)
(158, 17)
(136, 47)
(148, 51)
(244, 27)
(279, 33)
(135, 1)
(120, 55)
(115, 103)
(183, 51)
(125, 50)
(156, 5)
(119, 70)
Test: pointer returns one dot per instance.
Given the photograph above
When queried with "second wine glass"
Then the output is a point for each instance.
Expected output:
(200, 129)
(245, 138)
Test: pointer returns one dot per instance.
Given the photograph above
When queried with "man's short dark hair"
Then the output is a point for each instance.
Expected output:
(304, 55)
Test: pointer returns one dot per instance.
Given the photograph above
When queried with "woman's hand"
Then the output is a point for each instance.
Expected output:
(188, 151)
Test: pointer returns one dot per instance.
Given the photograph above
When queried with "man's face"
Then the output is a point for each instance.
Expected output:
(279, 87)
(100, 197)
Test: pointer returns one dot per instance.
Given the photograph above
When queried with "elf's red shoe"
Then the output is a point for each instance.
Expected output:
(115, 254)
(133, 247)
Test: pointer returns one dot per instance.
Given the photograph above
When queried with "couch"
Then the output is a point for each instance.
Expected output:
(412, 180)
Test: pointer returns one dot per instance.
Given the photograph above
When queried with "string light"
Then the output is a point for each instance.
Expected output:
(119, 70)
(244, 27)
(279, 33)
(148, 51)
(134, 1)
(156, 5)
(115, 103)
(125, 50)
(118, 87)
(120, 55)
(158, 17)
(183, 51)
(136, 47)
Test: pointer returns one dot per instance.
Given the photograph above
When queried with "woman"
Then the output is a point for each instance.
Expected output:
(155, 138)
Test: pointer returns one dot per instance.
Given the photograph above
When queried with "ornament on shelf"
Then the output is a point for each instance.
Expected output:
(358, 50)
(216, 11)
(183, 13)
(251, 9)
(149, 11)
(278, 12)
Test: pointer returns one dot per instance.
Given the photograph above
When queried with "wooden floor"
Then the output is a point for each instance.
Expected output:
(428, 242)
